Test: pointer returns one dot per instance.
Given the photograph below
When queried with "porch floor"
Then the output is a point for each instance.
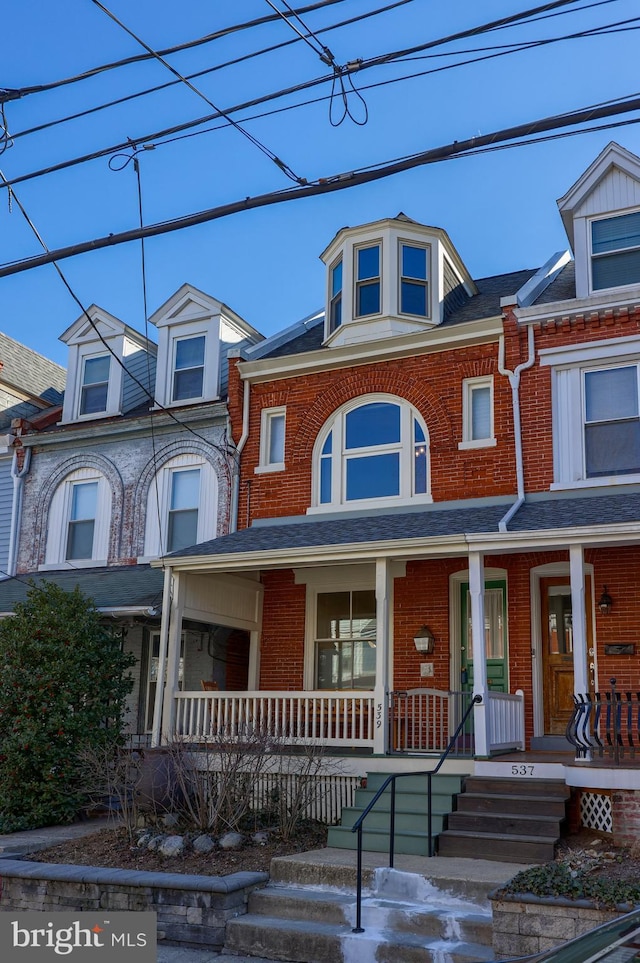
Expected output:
(539, 756)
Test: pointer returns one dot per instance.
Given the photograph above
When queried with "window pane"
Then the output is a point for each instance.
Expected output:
(611, 393)
(336, 313)
(183, 529)
(612, 448)
(374, 424)
(420, 460)
(185, 489)
(480, 413)
(84, 500)
(413, 298)
(187, 384)
(328, 445)
(613, 270)
(96, 370)
(364, 614)
(80, 539)
(333, 615)
(94, 399)
(414, 262)
(336, 279)
(374, 476)
(368, 299)
(276, 439)
(613, 233)
(325, 481)
(368, 262)
(189, 352)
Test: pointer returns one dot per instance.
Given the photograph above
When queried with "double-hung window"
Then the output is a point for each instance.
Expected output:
(82, 520)
(345, 640)
(368, 280)
(414, 278)
(272, 438)
(615, 251)
(188, 372)
(95, 385)
(477, 413)
(611, 421)
(184, 500)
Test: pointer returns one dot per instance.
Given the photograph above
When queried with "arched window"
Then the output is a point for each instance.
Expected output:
(182, 506)
(372, 450)
(79, 519)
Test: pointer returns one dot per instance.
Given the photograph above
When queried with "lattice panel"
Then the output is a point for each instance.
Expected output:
(595, 811)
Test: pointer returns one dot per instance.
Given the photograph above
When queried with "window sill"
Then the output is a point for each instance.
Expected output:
(373, 503)
(480, 443)
(604, 481)
(266, 469)
(77, 563)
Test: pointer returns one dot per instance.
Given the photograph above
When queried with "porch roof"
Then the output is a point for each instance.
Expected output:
(121, 589)
(450, 529)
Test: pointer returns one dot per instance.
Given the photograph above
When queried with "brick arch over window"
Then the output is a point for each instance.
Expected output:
(88, 463)
(412, 390)
(214, 482)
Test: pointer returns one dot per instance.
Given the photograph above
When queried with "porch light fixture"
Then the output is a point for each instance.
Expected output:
(605, 602)
(424, 640)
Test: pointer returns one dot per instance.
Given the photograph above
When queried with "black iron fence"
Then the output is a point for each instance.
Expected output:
(606, 724)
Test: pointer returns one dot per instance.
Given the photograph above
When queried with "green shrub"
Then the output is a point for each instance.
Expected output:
(559, 880)
(63, 685)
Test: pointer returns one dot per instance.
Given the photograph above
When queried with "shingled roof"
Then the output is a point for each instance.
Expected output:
(122, 586)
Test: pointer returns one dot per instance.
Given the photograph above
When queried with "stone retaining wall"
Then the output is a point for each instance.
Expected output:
(529, 924)
(191, 909)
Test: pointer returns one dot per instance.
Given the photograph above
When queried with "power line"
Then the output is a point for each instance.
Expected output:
(336, 182)
(187, 125)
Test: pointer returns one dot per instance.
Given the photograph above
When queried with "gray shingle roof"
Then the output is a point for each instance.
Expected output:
(553, 512)
(563, 288)
(30, 372)
(109, 587)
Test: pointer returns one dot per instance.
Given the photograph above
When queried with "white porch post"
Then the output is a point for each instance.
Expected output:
(481, 710)
(384, 648)
(253, 674)
(173, 658)
(156, 727)
(579, 620)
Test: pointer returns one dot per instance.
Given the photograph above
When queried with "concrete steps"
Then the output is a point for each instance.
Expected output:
(406, 919)
(513, 820)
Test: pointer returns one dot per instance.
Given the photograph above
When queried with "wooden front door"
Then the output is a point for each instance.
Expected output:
(557, 651)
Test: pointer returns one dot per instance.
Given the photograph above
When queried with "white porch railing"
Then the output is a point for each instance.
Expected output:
(506, 720)
(423, 720)
(331, 719)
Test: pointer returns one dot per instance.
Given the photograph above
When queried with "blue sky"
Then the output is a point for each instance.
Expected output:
(499, 208)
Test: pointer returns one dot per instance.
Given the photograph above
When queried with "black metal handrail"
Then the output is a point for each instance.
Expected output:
(391, 780)
(607, 723)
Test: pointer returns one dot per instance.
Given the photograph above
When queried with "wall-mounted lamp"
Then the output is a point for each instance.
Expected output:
(605, 602)
(424, 640)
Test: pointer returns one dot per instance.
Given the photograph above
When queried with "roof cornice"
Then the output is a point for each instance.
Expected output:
(440, 338)
(575, 307)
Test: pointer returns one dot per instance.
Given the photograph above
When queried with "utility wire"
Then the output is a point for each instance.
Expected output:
(17, 93)
(335, 182)
(286, 170)
(178, 128)
(221, 66)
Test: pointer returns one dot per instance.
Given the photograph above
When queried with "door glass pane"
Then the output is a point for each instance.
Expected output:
(494, 634)
(560, 628)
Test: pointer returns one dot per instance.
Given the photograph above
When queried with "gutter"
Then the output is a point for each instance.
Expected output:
(235, 483)
(19, 475)
(514, 380)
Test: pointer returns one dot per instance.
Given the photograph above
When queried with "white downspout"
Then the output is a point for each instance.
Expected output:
(514, 380)
(235, 485)
(19, 475)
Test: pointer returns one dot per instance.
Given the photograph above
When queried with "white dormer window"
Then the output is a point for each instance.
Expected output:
(615, 251)
(368, 280)
(95, 385)
(414, 280)
(335, 296)
(188, 371)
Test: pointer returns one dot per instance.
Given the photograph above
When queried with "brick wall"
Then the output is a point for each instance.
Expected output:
(625, 816)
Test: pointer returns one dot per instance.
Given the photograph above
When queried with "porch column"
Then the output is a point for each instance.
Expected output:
(253, 674)
(384, 645)
(156, 727)
(480, 711)
(579, 620)
(173, 658)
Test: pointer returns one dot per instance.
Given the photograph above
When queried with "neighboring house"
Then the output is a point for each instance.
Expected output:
(30, 387)
(137, 463)
(440, 489)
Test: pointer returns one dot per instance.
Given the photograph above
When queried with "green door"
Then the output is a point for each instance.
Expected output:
(495, 636)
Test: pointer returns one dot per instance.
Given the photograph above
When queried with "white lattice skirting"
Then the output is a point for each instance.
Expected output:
(595, 811)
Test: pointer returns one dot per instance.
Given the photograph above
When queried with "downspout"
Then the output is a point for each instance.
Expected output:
(19, 474)
(235, 484)
(514, 380)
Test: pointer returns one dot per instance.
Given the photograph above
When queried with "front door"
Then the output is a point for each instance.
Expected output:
(557, 651)
(495, 636)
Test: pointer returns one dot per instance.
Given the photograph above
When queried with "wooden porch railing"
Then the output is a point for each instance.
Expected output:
(329, 718)
(506, 720)
(606, 724)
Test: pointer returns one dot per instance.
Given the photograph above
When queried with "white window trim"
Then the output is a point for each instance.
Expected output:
(410, 242)
(338, 462)
(468, 387)
(71, 410)
(60, 515)
(266, 420)
(362, 245)
(169, 335)
(567, 400)
(158, 501)
(606, 216)
(333, 298)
